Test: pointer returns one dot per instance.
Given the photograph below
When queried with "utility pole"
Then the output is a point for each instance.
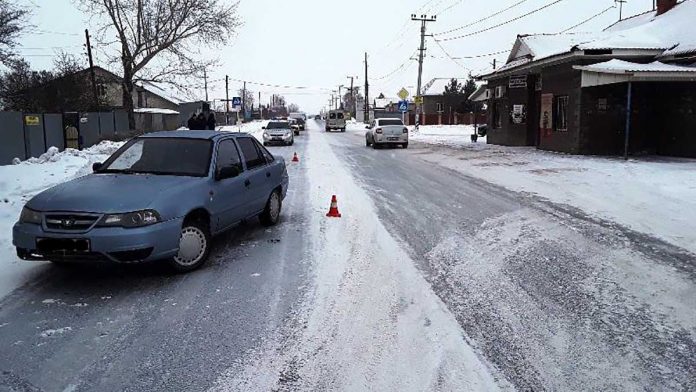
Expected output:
(227, 100)
(205, 83)
(244, 101)
(421, 53)
(494, 63)
(340, 98)
(354, 109)
(91, 70)
(366, 107)
(260, 109)
(621, 3)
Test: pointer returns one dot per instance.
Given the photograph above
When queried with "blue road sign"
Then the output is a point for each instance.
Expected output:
(403, 106)
(236, 101)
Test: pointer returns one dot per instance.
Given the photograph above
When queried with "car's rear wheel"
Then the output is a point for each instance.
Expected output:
(376, 146)
(405, 145)
(297, 133)
(194, 246)
(343, 129)
(367, 142)
(271, 214)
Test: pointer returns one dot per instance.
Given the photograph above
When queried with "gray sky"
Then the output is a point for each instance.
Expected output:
(318, 43)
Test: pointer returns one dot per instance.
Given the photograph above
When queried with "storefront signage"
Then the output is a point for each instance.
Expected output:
(546, 118)
(519, 81)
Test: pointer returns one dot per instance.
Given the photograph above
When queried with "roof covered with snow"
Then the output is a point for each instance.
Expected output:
(436, 86)
(165, 91)
(155, 111)
(671, 33)
(620, 66)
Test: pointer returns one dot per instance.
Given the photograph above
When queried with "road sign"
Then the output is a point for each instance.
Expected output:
(403, 93)
(32, 120)
(236, 101)
(418, 100)
(403, 106)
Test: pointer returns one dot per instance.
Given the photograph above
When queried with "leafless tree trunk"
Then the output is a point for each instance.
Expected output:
(160, 39)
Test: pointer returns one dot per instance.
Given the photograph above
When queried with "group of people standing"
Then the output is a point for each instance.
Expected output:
(201, 122)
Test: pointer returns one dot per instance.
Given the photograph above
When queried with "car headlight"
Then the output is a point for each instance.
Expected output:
(30, 216)
(266, 136)
(131, 219)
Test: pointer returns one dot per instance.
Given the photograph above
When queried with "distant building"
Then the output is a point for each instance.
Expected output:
(571, 92)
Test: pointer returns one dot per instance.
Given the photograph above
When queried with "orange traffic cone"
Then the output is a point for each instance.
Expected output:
(333, 211)
(295, 158)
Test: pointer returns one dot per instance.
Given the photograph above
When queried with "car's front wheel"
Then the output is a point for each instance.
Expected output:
(194, 247)
(271, 214)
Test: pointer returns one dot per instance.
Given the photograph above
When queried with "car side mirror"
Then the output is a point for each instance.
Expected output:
(227, 172)
(96, 166)
(263, 127)
(367, 127)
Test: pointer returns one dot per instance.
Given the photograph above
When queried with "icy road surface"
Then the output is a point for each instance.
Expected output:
(432, 280)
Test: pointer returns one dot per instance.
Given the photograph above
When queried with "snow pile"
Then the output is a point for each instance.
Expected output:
(254, 128)
(20, 182)
(655, 196)
(372, 322)
(447, 135)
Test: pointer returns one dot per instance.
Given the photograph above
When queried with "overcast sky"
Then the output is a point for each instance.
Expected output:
(318, 43)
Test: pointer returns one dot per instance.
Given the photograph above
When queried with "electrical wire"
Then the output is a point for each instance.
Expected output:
(482, 19)
(589, 19)
(503, 23)
(399, 68)
(450, 56)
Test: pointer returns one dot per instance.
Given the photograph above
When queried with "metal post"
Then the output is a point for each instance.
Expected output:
(366, 109)
(227, 100)
(629, 109)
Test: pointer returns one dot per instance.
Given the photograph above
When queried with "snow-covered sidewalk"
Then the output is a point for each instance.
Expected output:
(655, 195)
(19, 183)
(371, 322)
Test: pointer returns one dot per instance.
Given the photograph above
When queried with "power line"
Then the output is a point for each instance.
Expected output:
(482, 19)
(456, 3)
(589, 19)
(39, 32)
(397, 69)
(450, 56)
(503, 23)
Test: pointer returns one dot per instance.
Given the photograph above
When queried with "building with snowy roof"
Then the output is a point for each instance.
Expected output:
(572, 92)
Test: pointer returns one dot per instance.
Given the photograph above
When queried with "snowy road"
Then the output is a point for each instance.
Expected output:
(556, 299)
(139, 328)
(431, 280)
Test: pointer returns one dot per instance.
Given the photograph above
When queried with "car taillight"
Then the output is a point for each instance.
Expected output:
(405, 130)
(378, 130)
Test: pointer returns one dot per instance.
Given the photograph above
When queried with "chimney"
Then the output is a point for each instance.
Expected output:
(665, 5)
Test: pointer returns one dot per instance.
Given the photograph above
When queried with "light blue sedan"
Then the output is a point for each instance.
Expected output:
(159, 197)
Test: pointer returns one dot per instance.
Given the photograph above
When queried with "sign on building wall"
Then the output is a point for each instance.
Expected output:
(518, 81)
(32, 120)
(546, 118)
(519, 114)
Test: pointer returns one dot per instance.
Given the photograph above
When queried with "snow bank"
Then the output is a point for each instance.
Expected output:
(655, 196)
(20, 182)
(372, 322)
(447, 135)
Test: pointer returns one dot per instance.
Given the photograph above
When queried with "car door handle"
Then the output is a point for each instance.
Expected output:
(268, 174)
(247, 182)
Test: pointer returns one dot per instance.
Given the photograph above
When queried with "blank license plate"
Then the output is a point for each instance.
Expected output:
(391, 139)
(277, 138)
(62, 245)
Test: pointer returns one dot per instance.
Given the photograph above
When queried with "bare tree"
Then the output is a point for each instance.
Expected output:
(248, 100)
(293, 108)
(12, 22)
(160, 39)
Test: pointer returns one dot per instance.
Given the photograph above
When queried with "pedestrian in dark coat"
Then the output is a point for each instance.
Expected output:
(200, 122)
(211, 121)
(192, 121)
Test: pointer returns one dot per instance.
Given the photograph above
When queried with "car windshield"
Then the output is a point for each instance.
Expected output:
(162, 156)
(277, 125)
(390, 122)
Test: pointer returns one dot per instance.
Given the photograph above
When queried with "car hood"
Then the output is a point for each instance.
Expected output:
(107, 193)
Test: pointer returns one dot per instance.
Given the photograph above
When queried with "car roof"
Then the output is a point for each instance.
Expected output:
(188, 134)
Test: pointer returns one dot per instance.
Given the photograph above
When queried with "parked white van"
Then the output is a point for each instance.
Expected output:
(336, 119)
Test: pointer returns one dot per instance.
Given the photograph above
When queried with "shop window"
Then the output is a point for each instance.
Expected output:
(439, 107)
(561, 114)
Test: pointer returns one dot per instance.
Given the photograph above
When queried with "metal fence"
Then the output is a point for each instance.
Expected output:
(26, 135)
